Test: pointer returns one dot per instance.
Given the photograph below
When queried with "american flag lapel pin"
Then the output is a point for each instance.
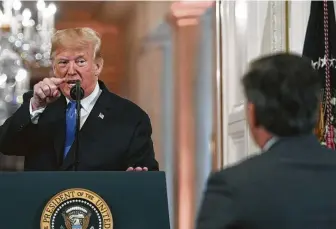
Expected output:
(101, 116)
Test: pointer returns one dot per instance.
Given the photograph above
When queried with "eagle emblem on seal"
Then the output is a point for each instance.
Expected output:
(76, 217)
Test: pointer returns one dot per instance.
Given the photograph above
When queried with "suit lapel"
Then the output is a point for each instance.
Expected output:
(87, 133)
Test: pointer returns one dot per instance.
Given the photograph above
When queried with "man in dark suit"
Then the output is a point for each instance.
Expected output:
(115, 134)
(291, 185)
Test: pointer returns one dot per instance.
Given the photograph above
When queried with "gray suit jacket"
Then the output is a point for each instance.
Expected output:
(291, 186)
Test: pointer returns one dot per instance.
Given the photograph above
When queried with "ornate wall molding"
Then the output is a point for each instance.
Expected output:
(278, 25)
(273, 24)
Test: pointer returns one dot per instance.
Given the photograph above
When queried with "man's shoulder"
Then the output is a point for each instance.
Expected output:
(126, 106)
(244, 170)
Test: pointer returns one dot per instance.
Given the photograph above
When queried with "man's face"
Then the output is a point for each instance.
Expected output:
(77, 64)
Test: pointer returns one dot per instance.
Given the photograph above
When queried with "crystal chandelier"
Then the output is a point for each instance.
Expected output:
(29, 38)
(24, 44)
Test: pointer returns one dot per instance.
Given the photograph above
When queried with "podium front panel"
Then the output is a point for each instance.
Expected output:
(137, 200)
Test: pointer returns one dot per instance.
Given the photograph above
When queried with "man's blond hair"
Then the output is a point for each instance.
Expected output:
(76, 38)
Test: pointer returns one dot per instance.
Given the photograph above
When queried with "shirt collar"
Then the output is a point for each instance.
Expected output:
(85, 103)
(270, 143)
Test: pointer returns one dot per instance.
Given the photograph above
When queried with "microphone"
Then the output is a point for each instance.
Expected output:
(77, 93)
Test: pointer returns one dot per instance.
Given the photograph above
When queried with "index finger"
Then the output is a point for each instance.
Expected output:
(57, 81)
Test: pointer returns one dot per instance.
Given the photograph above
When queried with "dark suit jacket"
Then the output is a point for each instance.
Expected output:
(291, 186)
(119, 140)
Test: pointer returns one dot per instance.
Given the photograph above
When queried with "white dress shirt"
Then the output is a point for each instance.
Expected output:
(87, 105)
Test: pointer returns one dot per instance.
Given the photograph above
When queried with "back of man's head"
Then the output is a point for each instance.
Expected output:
(284, 91)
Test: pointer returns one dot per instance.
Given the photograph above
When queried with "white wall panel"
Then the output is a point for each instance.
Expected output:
(249, 29)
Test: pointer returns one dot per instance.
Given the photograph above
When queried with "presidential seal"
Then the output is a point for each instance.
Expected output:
(76, 209)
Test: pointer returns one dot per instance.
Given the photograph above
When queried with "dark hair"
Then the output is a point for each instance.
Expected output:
(285, 90)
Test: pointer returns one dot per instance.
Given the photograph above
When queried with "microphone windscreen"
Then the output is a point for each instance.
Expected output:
(73, 92)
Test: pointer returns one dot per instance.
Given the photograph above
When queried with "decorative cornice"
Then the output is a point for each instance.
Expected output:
(188, 12)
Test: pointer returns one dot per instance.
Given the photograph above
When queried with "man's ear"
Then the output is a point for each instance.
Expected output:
(251, 115)
(99, 62)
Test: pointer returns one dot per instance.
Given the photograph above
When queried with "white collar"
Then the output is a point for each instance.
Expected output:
(85, 103)
(270, 143)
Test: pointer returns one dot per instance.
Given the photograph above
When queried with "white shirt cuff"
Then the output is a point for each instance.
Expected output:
(34, 115)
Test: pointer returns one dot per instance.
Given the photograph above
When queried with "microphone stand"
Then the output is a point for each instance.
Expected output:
(78, 109)
(77, 93)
